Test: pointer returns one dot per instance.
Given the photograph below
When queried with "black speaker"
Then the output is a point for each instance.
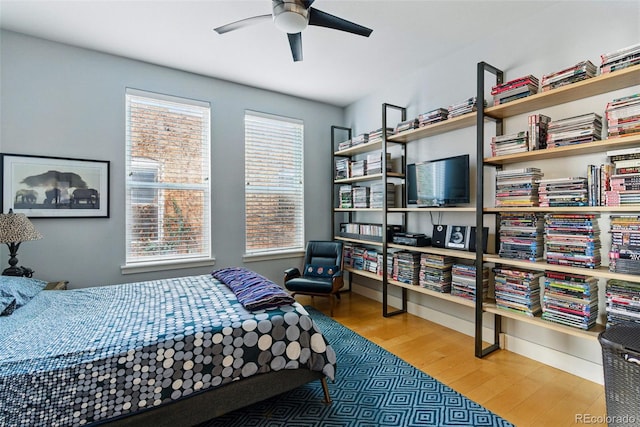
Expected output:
(472, 239)
(439, 236)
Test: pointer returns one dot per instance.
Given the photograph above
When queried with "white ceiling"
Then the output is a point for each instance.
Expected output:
(338, 67)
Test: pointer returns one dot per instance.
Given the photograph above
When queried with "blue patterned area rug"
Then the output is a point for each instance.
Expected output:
(372, 388)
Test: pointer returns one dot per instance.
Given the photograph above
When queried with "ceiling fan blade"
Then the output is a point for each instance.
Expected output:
(324, 19)
(307, 3)
(295, 41)
(242, 23)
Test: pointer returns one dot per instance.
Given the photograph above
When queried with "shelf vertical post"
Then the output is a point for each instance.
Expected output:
(333, 187)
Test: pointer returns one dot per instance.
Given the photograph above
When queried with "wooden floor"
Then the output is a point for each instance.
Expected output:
(519, 389)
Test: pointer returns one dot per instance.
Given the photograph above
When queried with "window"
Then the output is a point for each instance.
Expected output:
(167, 185)
(274, 193)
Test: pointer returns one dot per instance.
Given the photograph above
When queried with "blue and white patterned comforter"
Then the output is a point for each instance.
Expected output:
(78, 356)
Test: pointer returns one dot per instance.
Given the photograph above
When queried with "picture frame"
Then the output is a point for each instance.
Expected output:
(54, 187)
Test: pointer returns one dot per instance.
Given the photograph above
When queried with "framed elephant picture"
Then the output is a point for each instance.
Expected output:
(54, 187)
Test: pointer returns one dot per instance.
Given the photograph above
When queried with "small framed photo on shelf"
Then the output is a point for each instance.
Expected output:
(54, 187)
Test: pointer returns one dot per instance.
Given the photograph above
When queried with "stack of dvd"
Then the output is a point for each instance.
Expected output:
(514, 89)
(391, 253)
(619, 59)
(580, 71)
(572, 239)
(467, 106)
(343, 168)
(517, 187)
(521, 236)
(509, 144)
(570, 299)
(376, 195)
(518, 290)
(344, 145)
(623, 302)
(363, 138)
(347, 254)
(624, 256)
(574, 130)
(370, 261)
(463, 281)
(374, 163)
(376, 135)
(623, 116)
(435, 272)
(361, 197)
(406, 125)
(346, 197)
(431, 117)
(358, 168)
(538, 127)
(557, 192)
(406, 267)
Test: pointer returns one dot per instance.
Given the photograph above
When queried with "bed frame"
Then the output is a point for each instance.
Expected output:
(208, 404)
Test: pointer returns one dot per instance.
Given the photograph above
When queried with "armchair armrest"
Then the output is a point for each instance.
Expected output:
(291, 273)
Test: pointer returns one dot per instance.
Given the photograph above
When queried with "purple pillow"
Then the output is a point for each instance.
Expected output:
(254, 292)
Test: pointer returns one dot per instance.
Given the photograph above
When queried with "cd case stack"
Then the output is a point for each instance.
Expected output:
(623, 116)
(570, 299)
(358, 168)
(518, 291)
(406, 267)
(581, 71)
(624, 256)
(435, 272)
(572, 240)
(346, 197)
(374, 163)
(406, 125)
(343, 168)
(517, 187)
(623, 302)
(467, 106)
(376, 135)
(510, 144)
(363, 138)
(557, 192)
(619, 59)
(463, 281)
(376, 195)
(361, 197)
(521, 236)
(574, 130)
(431, 117)
(514, 89)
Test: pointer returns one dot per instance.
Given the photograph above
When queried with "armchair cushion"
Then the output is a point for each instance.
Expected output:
(311, 270)
(319, 285)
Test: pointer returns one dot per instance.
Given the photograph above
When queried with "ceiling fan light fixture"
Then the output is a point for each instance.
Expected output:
(290, 18)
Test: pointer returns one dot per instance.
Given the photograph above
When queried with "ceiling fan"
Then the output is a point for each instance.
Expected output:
(293, 16)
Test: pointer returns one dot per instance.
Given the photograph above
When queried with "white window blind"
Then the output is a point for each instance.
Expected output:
(167, 187)
(274, 192)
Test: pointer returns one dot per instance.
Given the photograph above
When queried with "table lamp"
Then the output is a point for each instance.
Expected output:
(15, 229)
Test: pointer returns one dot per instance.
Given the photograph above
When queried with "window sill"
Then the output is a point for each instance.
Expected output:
(273, 255)
(147, 267)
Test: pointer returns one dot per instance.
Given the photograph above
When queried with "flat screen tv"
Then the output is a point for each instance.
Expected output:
(440, 182)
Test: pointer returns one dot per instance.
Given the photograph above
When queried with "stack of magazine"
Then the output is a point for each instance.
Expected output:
(517, 290)
(624, 256)
(510, 144)
(521, 236)
(514, 89)
(463, 281)
(557, 192)
(431, 117)
(619, 59)
(406, 267)
(623, 302)
(624, 178)
(572, 240)
(574, 130)
(570, 299)
(517, 187)
(623, 116)
(581, 71)
(467, 106)
(435, 272)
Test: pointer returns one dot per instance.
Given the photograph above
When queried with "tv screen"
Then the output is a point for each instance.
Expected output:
(440, 182)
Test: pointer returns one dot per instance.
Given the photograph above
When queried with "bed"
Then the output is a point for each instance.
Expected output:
(165, 352)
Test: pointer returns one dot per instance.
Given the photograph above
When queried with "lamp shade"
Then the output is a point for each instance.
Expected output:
(16, 228)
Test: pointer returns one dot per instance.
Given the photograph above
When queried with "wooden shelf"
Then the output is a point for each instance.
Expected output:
(582, 209)
(357, 209)
(359, 149)
(434, 209)
(440, 295)
(361, 241)
(598, 85)
(371, 177)
(538, 321)
(433, 250)
(364, 273)
(444, 126)
(570, 150)
(602, 272)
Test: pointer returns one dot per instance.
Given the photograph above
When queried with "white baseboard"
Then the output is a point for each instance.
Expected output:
(566, 362)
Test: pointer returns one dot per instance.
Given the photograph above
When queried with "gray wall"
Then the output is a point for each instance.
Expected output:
(64, 101)
(554, 36)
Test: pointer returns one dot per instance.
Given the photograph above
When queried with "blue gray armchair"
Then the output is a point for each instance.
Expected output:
(322, 272)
